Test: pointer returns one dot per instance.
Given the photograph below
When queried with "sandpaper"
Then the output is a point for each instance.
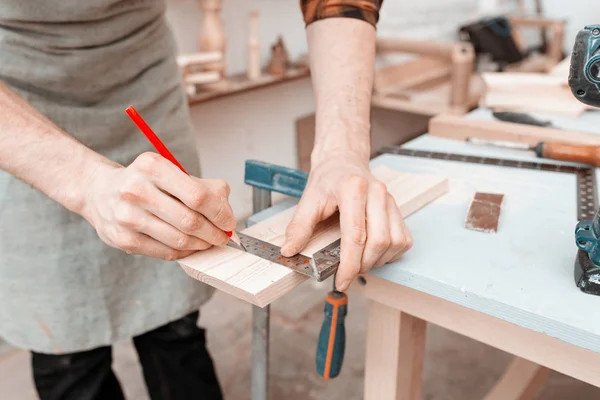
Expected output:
(484, 212)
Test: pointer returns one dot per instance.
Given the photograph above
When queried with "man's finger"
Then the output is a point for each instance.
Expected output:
(401, 239)
(138, 243)
(378, 226)
(205, 198)
(142, 221)
(301, 227)
(353, 203)
(184, 219)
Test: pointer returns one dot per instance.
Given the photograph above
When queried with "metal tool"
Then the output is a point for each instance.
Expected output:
(520, 118)
(552, 150)
(587, 274)
(332, 337)
(586, 178)
(321, 266)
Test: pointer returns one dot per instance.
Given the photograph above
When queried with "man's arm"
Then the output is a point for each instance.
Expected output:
(149, 207)
(341, 42)
(36, 151)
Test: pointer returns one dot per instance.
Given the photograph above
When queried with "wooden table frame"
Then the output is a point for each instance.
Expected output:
(398, 318)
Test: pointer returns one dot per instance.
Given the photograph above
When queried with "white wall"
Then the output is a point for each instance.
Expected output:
(577, 13)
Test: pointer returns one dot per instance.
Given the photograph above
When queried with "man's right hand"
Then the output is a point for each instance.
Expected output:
(153, 208)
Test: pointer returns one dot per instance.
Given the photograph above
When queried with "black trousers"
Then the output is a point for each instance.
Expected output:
(174, 359)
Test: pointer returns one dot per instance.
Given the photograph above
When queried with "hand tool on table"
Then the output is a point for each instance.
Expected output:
(164, 151)
(520, 118)
(583, 154)
(584, 81)
(267, 178)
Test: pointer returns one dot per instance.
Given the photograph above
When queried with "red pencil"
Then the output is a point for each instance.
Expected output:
(162, 149)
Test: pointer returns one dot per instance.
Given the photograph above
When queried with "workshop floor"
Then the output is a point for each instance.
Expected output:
(456, 368)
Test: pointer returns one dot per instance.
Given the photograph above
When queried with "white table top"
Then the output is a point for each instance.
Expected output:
(523, 273)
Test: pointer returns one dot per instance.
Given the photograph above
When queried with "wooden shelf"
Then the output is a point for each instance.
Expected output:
(240, 84)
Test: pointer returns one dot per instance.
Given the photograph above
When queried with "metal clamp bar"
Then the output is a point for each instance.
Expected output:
(275, 178)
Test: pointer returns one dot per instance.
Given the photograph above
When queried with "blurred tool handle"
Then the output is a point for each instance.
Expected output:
(568, 152)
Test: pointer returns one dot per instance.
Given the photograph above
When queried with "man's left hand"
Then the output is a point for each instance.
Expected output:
(373, 231)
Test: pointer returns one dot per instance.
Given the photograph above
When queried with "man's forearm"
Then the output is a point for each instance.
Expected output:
(36, 151)
(342, 54)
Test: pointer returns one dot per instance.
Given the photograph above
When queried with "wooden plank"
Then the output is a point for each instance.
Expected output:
(530, 92)
(460, 128)
(410, 73)
(430, 48)
(260, 282)
(395, 354)
(537, 347)
(511, 81)
(188, 59)
(240, 83)
(521, 381)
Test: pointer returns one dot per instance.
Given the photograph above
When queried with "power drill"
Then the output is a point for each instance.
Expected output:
(584, 81)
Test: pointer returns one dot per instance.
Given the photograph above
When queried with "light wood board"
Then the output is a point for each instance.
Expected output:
(530, 92)
(261, 282)
(460, 128)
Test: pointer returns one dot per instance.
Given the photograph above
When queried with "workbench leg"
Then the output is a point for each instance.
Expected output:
(261, 199)
(395, 354)
(260, 352)
(521, 381)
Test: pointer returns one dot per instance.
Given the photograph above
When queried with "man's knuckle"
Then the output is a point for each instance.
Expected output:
(222, 188)
(147, 162)
(183, 241)
(134, 189)
(381, 243)
(359, 236)
(128, 242)
(379, 187)
(124, 216)
(408, 242)
(190, 222)
(198, 197)
(358, 182)
(170, 255)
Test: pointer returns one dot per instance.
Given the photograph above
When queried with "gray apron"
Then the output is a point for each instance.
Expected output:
(81, 63)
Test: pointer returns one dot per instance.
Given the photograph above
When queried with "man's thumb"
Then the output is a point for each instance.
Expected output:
(300, 229)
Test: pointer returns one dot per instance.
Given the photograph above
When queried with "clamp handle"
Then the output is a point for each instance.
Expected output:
(332, 337)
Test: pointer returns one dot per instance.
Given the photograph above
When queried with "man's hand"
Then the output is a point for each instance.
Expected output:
(373, 230)
(154, 209)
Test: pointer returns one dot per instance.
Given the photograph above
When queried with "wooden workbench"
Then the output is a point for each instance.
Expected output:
(513, 290)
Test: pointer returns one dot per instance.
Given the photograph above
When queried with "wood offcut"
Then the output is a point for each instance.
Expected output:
(461, 128)
(484, 212)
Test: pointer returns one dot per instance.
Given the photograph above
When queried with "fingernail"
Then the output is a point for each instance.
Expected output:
(285, 248)
(287, 251)
(343, 286)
